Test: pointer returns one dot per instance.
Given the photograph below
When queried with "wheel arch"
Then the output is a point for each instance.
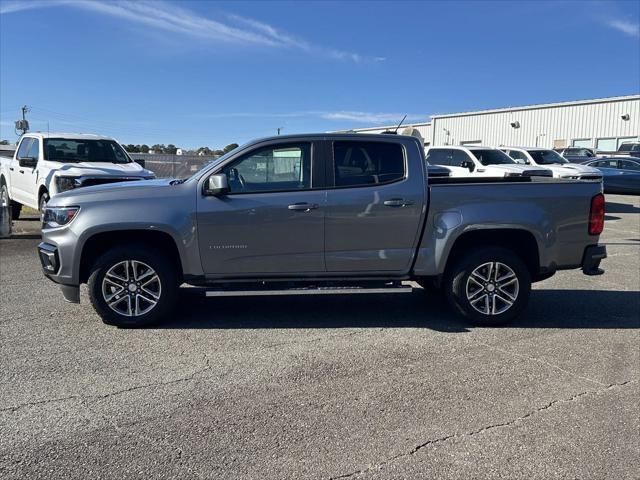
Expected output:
(100, 242)
(521, 242)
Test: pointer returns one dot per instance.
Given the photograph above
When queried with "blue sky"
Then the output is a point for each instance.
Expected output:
(210, 73)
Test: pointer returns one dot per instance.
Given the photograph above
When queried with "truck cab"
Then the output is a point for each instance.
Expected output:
(47, 164)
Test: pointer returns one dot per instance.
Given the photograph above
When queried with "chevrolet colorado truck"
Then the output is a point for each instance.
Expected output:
(319, 214)
(45, 164)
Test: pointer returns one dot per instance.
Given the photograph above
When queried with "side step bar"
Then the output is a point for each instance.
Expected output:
(308, 291)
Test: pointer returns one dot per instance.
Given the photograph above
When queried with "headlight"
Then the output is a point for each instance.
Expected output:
(67, 183)
(55, 217)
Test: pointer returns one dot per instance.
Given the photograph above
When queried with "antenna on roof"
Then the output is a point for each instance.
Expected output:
(396, 130)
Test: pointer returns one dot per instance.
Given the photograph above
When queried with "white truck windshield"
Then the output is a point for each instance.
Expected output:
(80, 150)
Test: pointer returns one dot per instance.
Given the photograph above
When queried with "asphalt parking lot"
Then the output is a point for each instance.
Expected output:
(325, 387)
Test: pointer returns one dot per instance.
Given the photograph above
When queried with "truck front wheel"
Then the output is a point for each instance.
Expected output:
(132, 286)
(13, 207)
(489, 286)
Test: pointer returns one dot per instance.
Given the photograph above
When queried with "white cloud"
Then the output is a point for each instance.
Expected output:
(339, 116)
(370, 117)
(626, 27)
(162, 15)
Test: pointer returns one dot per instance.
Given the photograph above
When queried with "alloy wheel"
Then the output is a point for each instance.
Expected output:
(492, 288)
(131, 288)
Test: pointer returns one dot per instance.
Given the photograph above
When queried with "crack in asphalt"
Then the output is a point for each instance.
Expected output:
(543, 362)
(185, 378)
(509, 423)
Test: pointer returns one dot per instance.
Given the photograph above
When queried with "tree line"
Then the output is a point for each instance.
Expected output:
(172, 149)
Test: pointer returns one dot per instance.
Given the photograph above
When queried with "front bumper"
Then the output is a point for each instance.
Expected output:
(50, 261)
(591, 259)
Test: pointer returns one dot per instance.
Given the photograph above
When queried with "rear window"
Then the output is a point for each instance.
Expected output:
(367, 163)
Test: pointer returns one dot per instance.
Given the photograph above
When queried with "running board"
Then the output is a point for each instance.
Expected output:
(308, 291)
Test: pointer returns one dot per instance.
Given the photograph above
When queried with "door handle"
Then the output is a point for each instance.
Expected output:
(21, 171)
(11, 168)
(398, 202)
(307, 207)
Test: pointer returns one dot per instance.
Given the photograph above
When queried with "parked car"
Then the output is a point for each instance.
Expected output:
(552, 160)
(577, 154)
(319, 214)
(481, 162)
(620, 174)
(629, 148)
(47, 164)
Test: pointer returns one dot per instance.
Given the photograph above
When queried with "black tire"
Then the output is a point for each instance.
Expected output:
(458, 287)
(167, 293)
(42, 202)
(16, 208)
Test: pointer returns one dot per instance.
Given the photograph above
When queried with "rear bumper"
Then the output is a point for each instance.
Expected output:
(591, 259)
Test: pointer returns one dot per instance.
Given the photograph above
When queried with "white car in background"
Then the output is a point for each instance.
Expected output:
(46, 164)
(476, 161)
(547, 158)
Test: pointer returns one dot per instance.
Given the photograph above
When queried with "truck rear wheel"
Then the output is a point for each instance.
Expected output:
(490, 286)
(133, 286)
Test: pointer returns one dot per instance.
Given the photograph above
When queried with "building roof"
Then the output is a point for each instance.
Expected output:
(540, 106)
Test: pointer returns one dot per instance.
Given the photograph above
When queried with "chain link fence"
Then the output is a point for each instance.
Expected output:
(172, 166)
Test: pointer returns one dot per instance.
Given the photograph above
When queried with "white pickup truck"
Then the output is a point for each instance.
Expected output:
(552, 160)
(476, 161)
(45, 164)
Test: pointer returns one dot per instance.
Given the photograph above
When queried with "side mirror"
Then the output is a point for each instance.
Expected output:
(28, 162)
(520, 161)
(469, 165)
(216, 185)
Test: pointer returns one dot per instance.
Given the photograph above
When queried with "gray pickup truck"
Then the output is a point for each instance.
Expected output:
(319, 214)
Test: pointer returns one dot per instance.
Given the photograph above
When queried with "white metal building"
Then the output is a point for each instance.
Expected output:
(601, 123)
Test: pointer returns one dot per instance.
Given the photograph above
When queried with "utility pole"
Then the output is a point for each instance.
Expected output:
(23, 124)
(280, 128)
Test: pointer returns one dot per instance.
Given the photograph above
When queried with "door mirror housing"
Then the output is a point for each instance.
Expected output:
(468, 164)
(521, 161)
(28, 162)
(216, 185)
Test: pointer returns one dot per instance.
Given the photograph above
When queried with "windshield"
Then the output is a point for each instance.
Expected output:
(80, 150)
(492, 157)
(546, 157)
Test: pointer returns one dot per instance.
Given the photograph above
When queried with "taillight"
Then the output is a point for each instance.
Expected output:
(596, 216)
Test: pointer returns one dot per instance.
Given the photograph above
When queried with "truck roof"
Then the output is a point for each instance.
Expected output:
(528, 149)
(68, 136)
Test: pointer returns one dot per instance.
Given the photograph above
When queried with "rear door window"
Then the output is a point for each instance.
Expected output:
(629, 165)
(359, 164)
